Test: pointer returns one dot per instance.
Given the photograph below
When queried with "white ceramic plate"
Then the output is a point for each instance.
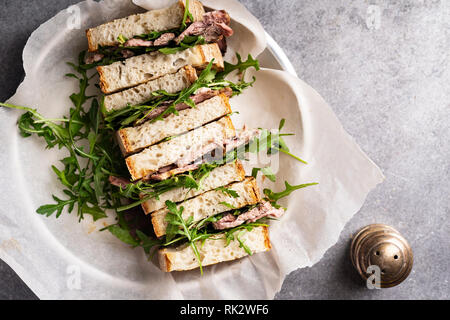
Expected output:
(47, 252)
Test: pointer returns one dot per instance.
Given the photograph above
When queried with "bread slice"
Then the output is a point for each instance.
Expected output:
(172, 83)
(211, 203)
(155, 20)
(220, 176)
(166, 153)
(143, 68)
(214, 250)
(133, 139)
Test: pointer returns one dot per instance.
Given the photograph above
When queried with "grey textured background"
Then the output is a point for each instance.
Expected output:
(383, 66)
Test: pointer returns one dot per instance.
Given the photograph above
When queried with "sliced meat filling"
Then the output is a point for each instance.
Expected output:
(93, 57)
(119, 182)
(172, 171)
(164, 39)
(138, 43)
(214, 27)
(265, 209)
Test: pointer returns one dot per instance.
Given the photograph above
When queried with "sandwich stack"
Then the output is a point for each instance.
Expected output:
(163, 52)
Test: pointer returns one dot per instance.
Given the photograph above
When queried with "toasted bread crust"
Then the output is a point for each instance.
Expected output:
(91, 46)
(164, 261)
(197, 10)
(131, 167)
(240, 169)
(103, 83)
(123, 141)
(212, 51)
(145, 206)
(229, 125)
(256, 194)
(191, 73)
(267, 243)
(160, 229)
(226, 100)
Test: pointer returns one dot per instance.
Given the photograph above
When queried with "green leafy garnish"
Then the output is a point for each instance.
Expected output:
(275, 197)
(92, 155)
(229, 192)
(187, 15)
(228, 205)
(267, 172)
(121, 39)
(188, 42)
(240, 65)
(177, 226)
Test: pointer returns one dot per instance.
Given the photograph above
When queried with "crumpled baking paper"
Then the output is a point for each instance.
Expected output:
(64, 259)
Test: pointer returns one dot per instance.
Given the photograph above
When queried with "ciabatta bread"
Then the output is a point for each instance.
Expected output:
(166, 153)
(211, 203)
(143, 68)
(155, 20)
(172, 83)
(220, 176)
(214, 250)
(133, 139)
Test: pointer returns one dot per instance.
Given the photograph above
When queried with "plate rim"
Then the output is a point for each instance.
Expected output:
(278, 53)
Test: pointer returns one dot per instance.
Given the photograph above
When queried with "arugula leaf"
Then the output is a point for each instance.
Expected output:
(267, 171)
(148, 243)
(240, 65)
(188, 42)
(187, 15)
(123, 235)
(48, 210)
(228, 205)
(229, 192)
(178, 226)
(275, 197)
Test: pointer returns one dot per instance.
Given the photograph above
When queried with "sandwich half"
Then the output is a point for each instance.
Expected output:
(220, 176)
(232, 197)
(214, 250)
(171, 83)
(134, 139)
(143, 68)
(181, 151)
(162, 20)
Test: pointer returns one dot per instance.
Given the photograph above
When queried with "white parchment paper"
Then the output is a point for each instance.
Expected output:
(62, 259)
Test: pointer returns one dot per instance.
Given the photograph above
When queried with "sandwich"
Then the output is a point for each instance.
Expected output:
(171, 83)
(211, 203)
(161, 21)
(134, 139)
(141, 69)
(218, 177)
(169, 30)
(214, 250)
(228, 223)
(179, 153)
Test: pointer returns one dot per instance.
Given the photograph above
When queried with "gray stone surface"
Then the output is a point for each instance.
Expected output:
(383, 68)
